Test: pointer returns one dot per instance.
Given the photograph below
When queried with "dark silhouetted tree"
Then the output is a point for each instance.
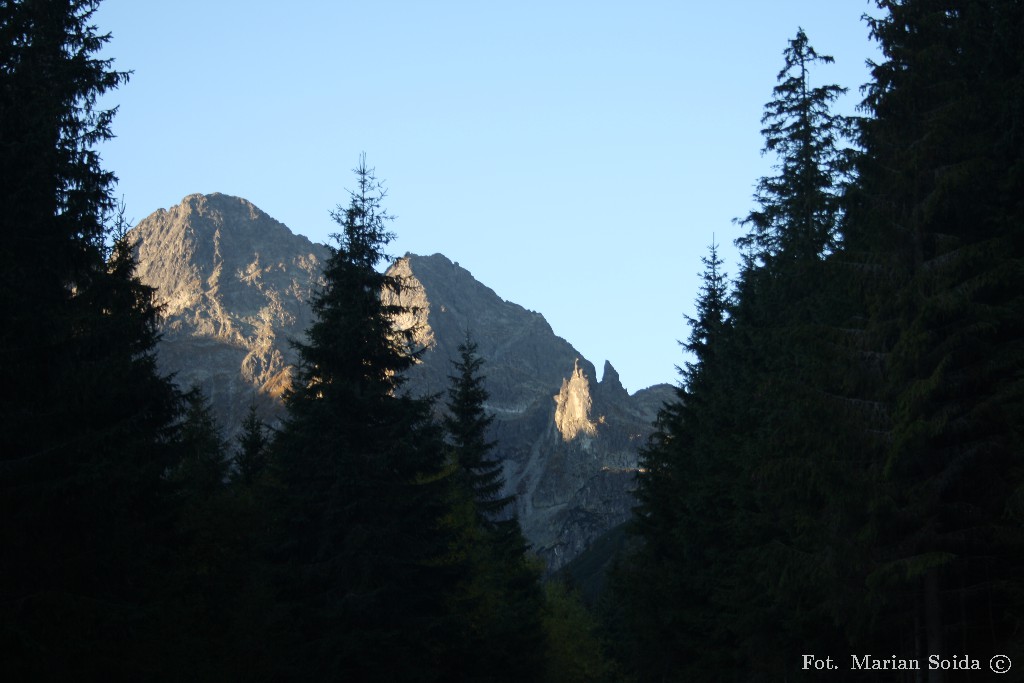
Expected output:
(799, 208)
(86, 423)
(252, 449)
(741, 482)
(364, 585)
(500, 602)
(467, 423)
(672, 621)
(938, 220)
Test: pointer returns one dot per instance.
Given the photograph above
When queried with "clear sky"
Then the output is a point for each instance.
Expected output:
(577, 157)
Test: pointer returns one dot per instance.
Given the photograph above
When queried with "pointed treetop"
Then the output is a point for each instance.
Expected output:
(799, 208)
(364, 233)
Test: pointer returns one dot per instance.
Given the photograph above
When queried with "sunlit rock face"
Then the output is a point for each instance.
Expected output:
(568, 443)
(573, 405)
(237, 286)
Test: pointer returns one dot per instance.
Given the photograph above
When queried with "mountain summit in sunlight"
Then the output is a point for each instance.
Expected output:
(237, 284)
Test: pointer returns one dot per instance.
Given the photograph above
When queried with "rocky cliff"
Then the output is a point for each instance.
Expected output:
(236, 286)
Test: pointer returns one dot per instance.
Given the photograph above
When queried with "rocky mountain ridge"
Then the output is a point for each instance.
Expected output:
(236, 286)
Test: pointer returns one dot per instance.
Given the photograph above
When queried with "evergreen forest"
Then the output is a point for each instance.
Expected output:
(840, 473)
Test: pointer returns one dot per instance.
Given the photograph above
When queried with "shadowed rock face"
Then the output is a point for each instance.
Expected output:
(569, 444)
(237, 286)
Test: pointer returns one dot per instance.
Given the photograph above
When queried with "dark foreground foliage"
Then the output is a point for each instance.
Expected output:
(841, 472)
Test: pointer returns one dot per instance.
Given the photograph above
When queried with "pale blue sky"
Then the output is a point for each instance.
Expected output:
(576, 157)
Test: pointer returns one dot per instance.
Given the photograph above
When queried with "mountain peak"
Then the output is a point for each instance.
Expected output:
(237, 287)
(609, 375)
(227, 272)
(200, 216)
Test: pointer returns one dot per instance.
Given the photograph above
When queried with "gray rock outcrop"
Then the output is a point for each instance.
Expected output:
(236, 286)
(568, 443)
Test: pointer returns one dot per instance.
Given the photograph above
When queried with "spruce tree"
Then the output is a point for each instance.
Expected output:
(742, 484)
(253, 445)
(683, 518)
(938, 218)
(361, 548)
(500, 602)
(799, 209)
(210, 564)
(791, 438)
(467, 423)
(202, 468)
(85, 420)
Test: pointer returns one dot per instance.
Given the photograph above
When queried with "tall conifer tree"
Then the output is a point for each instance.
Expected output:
(683, 519)
(799, 209)
(741, 482)
(85, 421)
(467, 423)
(790, 399)
(939, 219)
(252, 448)
(501, 601)
(360, 464)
